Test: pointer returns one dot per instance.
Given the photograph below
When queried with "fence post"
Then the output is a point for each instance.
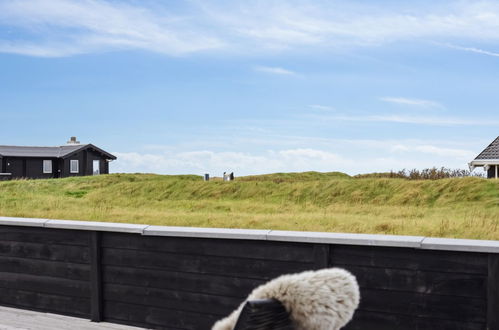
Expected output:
(321, 255)
(493, 293)
(95, 277)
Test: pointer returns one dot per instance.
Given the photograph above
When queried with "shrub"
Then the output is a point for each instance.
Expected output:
(424, 174)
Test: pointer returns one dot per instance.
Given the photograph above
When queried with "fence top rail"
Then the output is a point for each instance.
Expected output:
(417, 242)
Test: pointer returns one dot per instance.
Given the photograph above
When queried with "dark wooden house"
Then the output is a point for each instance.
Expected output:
(488, 159)
(72, 159)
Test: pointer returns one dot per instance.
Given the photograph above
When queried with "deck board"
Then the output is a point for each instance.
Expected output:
(19, 319)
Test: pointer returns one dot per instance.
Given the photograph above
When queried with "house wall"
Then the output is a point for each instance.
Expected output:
(16, 166)
(34, 168)
(66, 165)
(85, 158)
(491, 173)
(3, 176)
(162, 279)
(28, 167)
(91, 156)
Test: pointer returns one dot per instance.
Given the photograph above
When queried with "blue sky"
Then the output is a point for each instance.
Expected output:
(253, 86)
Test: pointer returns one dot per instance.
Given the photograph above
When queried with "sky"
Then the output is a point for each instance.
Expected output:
(194, 87)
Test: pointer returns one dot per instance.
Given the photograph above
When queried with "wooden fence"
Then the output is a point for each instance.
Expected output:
(187, 278)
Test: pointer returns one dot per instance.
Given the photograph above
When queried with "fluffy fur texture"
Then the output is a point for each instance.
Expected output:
(316, 300)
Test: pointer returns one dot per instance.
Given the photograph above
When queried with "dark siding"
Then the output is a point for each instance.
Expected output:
(45, 269)
(86, 158)
(14, 166)
(67, 161)
(91, 156)
(28, 167)
(491, 173)
(34, 168)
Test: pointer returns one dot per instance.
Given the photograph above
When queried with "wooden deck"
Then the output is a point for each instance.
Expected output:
(19, 319)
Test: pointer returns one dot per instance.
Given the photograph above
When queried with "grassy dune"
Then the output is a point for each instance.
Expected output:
(461, 207)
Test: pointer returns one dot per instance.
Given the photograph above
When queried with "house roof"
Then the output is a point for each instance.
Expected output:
(491, 152)
(49, 152)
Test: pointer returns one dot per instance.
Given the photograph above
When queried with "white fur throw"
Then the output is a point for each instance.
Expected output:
(316, 300)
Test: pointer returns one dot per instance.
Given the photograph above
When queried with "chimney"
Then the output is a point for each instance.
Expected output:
(72, 140)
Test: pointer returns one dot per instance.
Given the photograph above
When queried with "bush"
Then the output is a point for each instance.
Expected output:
(425, 174)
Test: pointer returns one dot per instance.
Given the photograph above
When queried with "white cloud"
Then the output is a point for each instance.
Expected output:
(412, 102)
(68, 27)
(216, 163)
(473, 50)
(356, 157)
(274, 70)
(321, 107)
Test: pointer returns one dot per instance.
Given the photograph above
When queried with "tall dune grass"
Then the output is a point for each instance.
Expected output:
(456, 207)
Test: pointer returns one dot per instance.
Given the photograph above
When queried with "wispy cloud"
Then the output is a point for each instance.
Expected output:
(281, 25)
(472, 50)
(463, 154)
(274, 70)
(64, 27)
(321, 107)
(68, 27)
(417, 120)
(412, 102)
(438, 121)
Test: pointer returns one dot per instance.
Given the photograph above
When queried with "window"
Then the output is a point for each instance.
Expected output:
(74, 166)
(47, 166)
(96, 167)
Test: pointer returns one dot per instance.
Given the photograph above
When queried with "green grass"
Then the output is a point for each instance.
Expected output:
(311, 201)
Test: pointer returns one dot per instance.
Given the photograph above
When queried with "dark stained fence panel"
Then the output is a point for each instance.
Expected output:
(493, 293)
(44, 235)
(189, 263)
(55, 269)
(363, 320)
(412, 259)
(189, 283)
(171, 280)
(421, 305)
(63, 253)
(45, 269)
(43, 284)
(264, 250)
(423, 282)
(172, 299)
(422, 289)
(45, 302)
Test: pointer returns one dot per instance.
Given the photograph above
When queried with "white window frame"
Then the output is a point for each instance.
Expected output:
(74, 161)
(47, 166)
